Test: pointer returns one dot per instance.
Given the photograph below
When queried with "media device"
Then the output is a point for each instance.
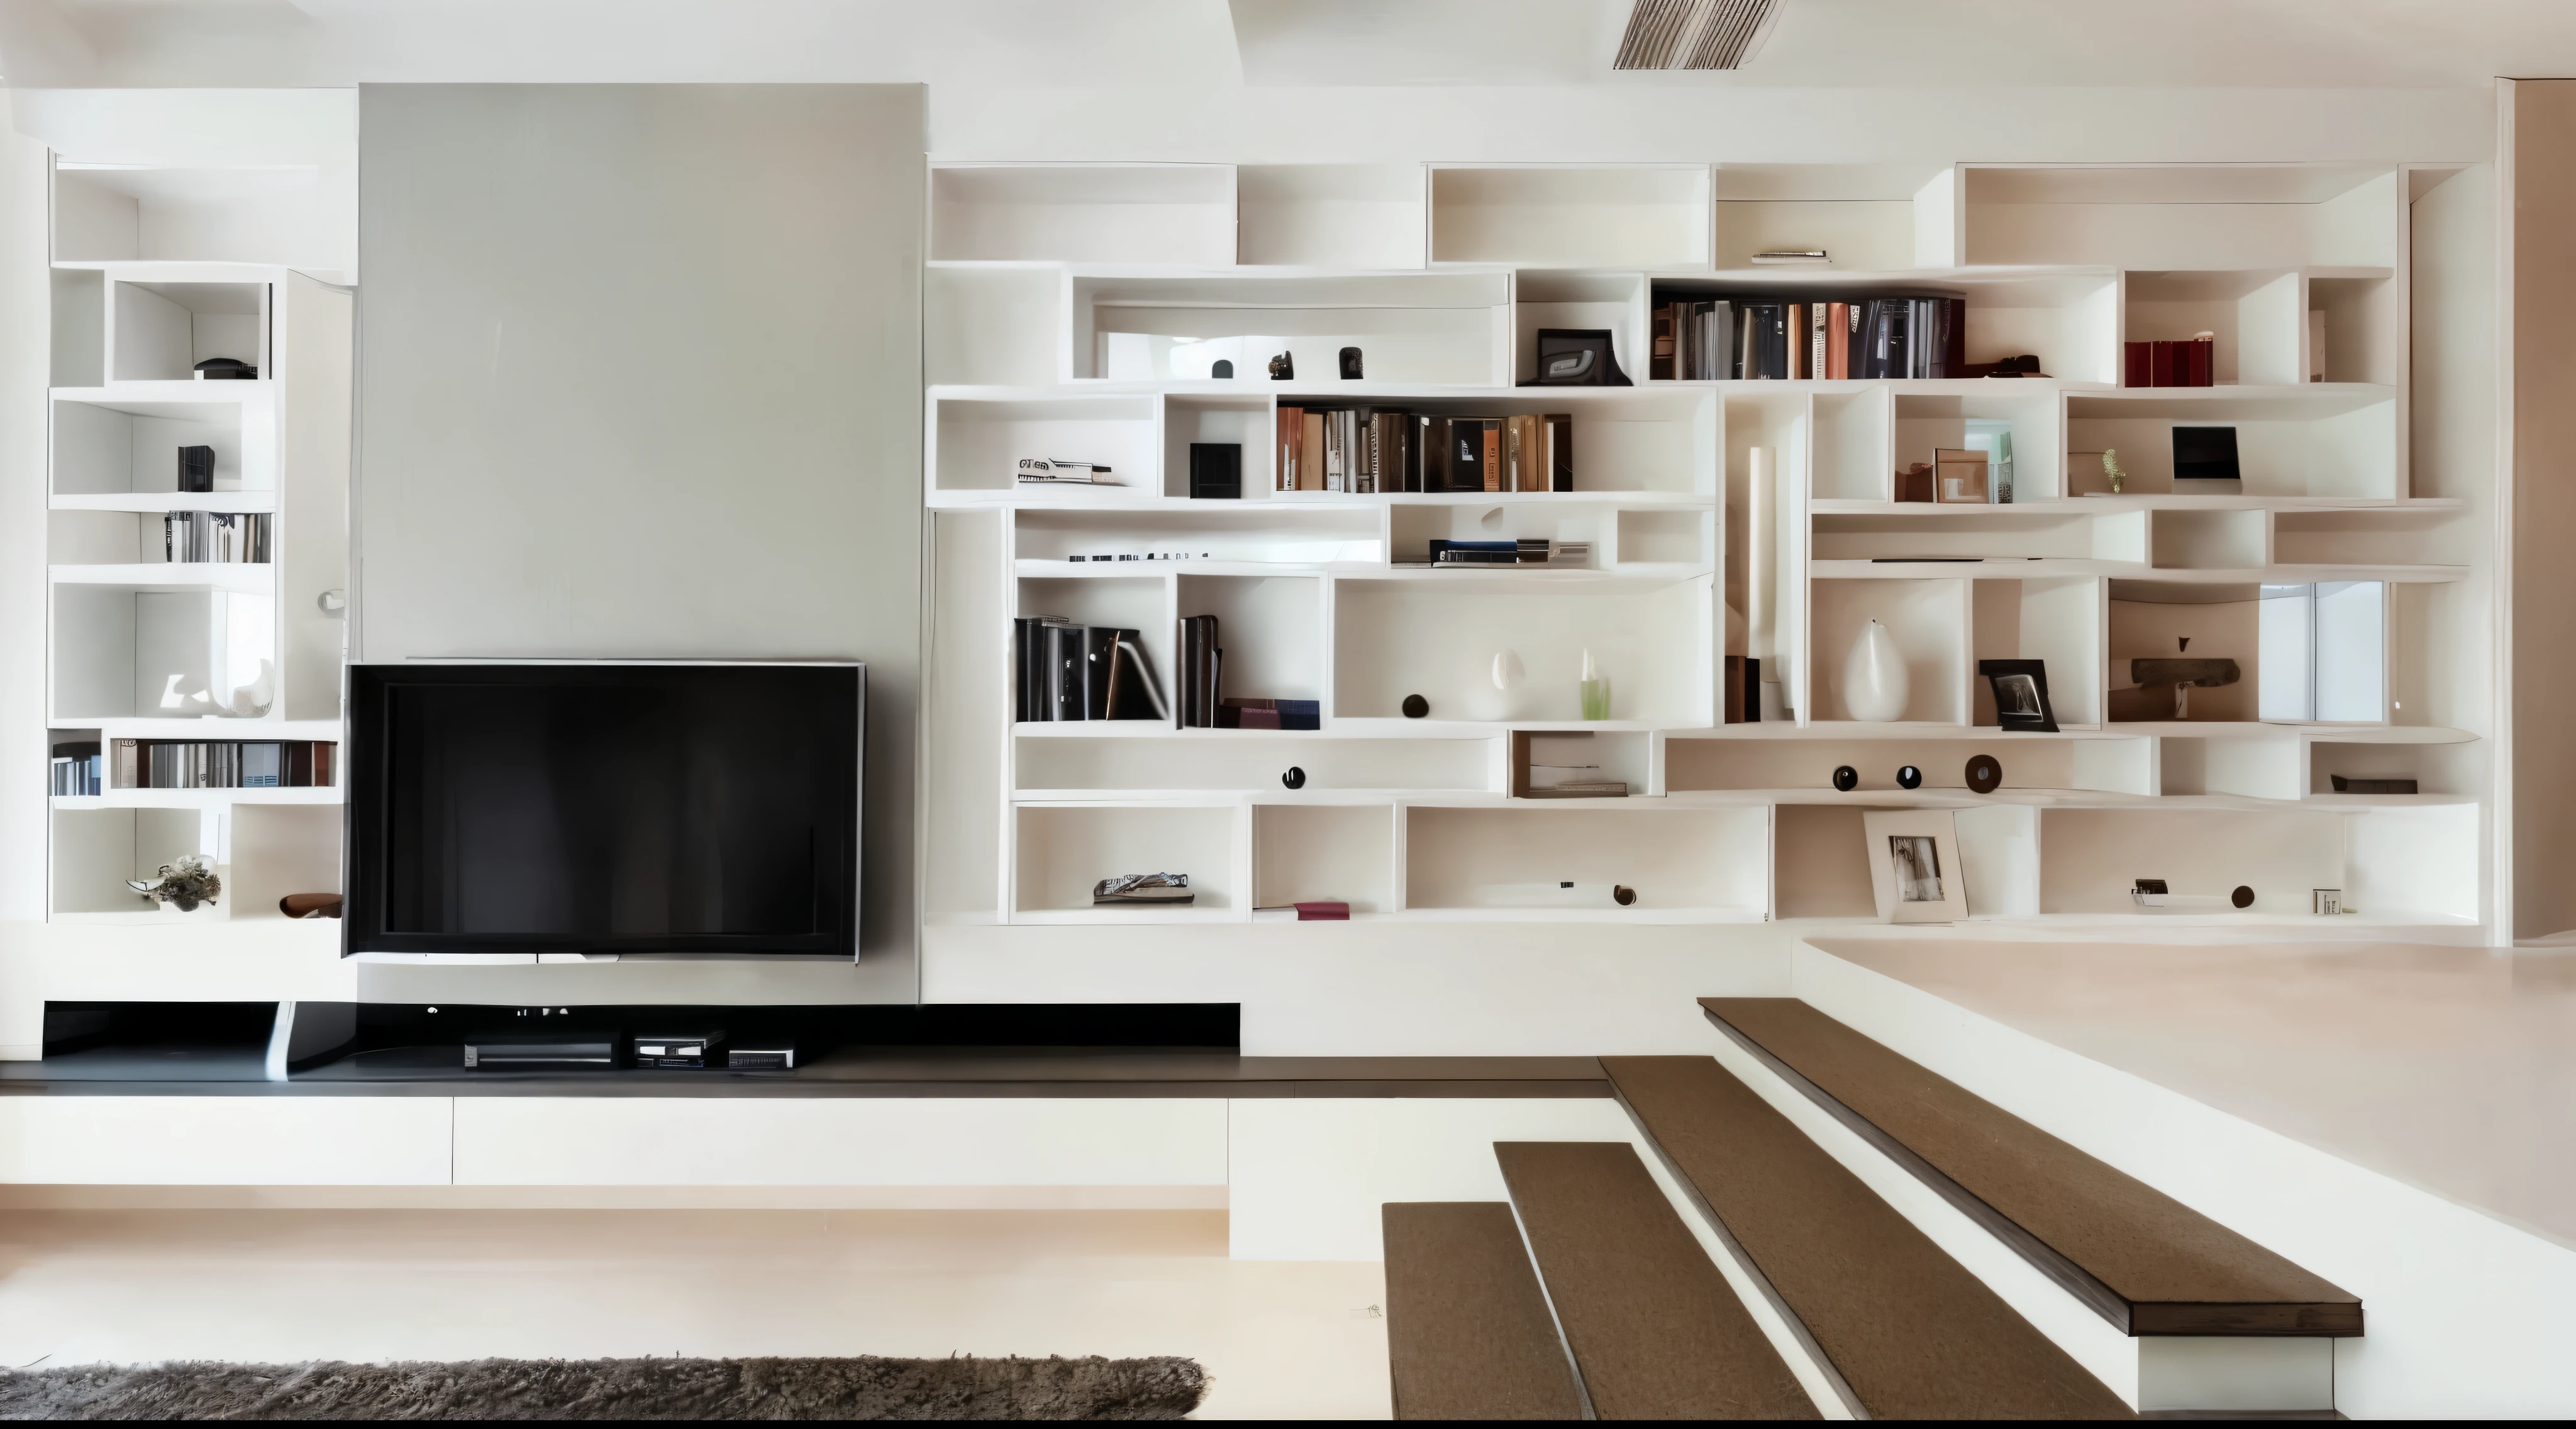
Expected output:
(575, 1052)
(683, 1051)
(604, 807)
(765, 1057)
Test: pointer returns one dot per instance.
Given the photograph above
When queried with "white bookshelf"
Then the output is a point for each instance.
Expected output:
(1094, 331)
(155, 270)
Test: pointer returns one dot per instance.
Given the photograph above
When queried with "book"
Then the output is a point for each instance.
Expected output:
(1237, 712)
(1063, 699)
(1390, 442)
(77, 768)
(1490, 433)
(1201, 670)
(1659, 362)
(1466, 452)
(1310, 459)
(1560, 450)
(1029, 664)
(1292, 433)
(1133, 691)
(1098, 643)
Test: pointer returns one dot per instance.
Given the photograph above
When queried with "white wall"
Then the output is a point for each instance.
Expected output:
(639, 377)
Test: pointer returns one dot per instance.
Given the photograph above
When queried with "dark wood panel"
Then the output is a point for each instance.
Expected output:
(1468, 1334)
(1656, 1331)
(2141, 1259)
(1912, 1333)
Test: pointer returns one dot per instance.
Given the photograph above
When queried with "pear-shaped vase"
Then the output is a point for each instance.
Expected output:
(1874, 680)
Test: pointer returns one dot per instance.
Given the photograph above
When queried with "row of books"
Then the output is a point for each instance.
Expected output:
(1766, 339)
(77, 769)
(2192, 362)
(1081, 672)
(1522, 551)
(86, 768)
(1365, 450)
(215, 536)
(1202, 676)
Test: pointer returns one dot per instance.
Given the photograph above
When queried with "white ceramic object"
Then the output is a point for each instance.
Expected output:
(1874, 680)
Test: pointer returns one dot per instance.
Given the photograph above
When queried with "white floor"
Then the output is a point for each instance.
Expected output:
(1279, 1339)
(2449, 1069)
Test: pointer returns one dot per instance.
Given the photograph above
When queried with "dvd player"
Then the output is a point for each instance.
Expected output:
(524, 1054)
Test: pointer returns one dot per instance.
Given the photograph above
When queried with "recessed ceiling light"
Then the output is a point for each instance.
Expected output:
(1695, 34)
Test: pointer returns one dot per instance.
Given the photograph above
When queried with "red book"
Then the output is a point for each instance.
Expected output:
(2136, 364)
(2204, 363)
(2160, 367)
(1323, 912)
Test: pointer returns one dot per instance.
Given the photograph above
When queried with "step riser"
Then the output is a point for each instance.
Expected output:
(2153, 1373)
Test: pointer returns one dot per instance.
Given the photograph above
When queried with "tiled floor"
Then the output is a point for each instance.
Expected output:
(2451, 1069)
(1279, 1339)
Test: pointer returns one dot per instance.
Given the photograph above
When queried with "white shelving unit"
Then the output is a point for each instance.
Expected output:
(155, 270)
(1078, 311)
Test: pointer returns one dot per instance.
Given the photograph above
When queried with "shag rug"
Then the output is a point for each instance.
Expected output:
(864, 1387)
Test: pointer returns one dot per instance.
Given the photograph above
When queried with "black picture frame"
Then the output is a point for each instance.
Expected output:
(1577, 357)
(2017, 686)
(2206, 454)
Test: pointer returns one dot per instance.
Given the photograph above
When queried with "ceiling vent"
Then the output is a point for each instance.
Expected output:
(1695, 34)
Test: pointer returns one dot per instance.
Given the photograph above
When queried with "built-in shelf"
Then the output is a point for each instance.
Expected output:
(1102, 343)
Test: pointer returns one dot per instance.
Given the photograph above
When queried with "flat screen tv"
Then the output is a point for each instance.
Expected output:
(601, 807)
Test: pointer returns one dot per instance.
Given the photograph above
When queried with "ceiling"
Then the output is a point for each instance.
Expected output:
(1199, 44)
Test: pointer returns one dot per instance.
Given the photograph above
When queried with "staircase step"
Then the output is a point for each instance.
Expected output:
(1468, 1333)
(1656, 1331)
(1911, 1332)
(2139, 1258)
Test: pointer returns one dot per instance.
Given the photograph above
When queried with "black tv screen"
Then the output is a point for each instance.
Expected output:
(604, 808)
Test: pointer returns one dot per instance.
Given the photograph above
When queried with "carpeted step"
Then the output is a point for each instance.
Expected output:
(2141, 1259)
(1468, 1334)
(1912, 1333)
(1656, 1331)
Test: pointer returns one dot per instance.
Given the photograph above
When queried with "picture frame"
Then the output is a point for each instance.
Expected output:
(1577, 357)
(1959, 477)
(1914, 867)
(2206, 458)
(2020, 688)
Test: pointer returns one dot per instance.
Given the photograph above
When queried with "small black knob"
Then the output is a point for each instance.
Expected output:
(1295, 778)
(1622, 894)
(1909, 777)
(1415, 707)
(1846, 778)
(1985, 774)
(2243, 897)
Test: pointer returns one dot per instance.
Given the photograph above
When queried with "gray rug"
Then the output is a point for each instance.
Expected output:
(863, 1387)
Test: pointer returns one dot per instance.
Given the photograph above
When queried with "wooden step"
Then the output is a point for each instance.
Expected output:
(1656, 1331)
(2141, 1259)
(1912, 1333)
(1468, 1333)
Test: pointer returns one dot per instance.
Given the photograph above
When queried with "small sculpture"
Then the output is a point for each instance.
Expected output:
(2111, 471)
(1909, 777)
(1415, 707)
(1846, 778)
(1985, 774)
(188, 882)
(1223, 369)
(1350, 364)
(1295, 778)
(1283, 368)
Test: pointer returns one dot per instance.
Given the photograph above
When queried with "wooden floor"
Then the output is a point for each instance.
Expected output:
(2146, 1262)
(1911, 1331)
(1656, 1331)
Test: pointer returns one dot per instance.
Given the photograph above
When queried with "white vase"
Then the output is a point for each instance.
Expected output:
(1874, 680)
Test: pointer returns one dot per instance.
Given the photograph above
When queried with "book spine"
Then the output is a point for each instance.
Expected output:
(1310, 452)
(1954, 337)
(2137, 366)
(1292, 424)
(1659, 366)
(2204, 363)
(1492, 435)
(1560, 450)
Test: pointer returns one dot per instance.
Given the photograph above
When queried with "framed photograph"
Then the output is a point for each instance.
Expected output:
(2021, 694)
(1958, 477)
(1914, 866)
